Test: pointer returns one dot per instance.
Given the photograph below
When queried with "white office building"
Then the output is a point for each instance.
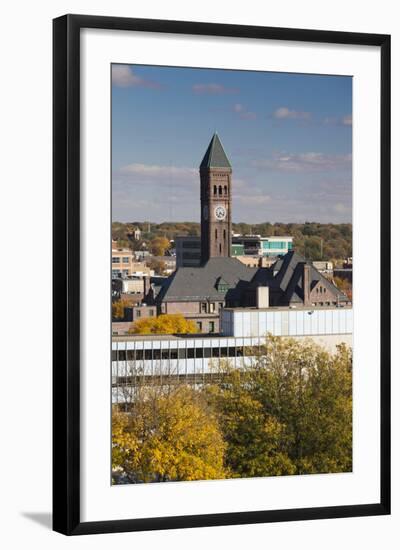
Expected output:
(194, 358)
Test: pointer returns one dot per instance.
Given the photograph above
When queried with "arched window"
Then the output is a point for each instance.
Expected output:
(215, 189)
(224, 234)
(220, 189)
(216, 234)
(220, 248)
(226, 189)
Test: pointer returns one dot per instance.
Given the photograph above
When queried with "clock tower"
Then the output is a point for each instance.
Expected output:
(216, 202)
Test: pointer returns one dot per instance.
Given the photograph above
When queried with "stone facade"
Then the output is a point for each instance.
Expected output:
(204, 313)
(216, 203)
(216, 223)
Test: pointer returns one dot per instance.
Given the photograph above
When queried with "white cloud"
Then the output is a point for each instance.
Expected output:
(286, 113)
(250, 200)
(155, 171)
(213, 88)
(341, 208)
(347, 120)
(124, 76)
(304, 162)
(242, 111)
(155, 192)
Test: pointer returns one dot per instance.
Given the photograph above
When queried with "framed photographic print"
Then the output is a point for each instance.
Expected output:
(221, 274)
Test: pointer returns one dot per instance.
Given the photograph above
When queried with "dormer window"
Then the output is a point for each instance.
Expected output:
(221, 285)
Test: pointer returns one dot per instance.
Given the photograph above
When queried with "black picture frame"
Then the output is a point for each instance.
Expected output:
(66, 273)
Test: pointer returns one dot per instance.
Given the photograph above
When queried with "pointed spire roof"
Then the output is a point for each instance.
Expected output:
(215, 156)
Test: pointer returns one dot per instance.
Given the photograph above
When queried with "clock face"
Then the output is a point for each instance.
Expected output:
(220, 212)
(205, 212)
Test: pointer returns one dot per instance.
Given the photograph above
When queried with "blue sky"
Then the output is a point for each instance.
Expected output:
(288, 138)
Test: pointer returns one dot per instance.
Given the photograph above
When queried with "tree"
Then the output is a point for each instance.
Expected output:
(159, 266)
(159, 245)
(345, 286)
(254, 439)
(123, 243)
(118, 309)
(174, 323)
(167, 437)
(290, 412)
(337, 238)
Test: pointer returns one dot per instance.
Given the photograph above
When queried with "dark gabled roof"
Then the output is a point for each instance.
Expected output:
(289, 278)
(294, 292)
(286, 267)
(215, 156)
(198, 283)
(229, 279)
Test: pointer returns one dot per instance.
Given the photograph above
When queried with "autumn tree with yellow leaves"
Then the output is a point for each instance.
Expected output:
(288, 412)
(118, 309)
(167, 436)
(159, 246)
(169, 323)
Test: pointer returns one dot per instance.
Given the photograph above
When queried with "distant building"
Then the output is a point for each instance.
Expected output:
(141, 254)
(132, 313)
(255, 245)
(199, 293)
(188, 251)
(168, 261)
(124, 264)
(132, 285)
(188, 248)
(137, 234)
(130, 299)
(256, 261)
(324, 267)
(344, 273)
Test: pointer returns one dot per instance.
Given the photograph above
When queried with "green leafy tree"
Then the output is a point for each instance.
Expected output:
(288, 413)
(254, 438)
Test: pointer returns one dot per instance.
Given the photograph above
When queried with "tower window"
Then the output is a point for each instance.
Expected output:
(220, 190)
(226, 190)
(224, 234)
(215, 189)
(220, 248)
(216, 234)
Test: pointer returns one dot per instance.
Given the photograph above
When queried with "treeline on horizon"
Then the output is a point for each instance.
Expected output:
(313, 240)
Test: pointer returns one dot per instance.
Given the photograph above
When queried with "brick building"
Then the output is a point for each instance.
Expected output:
(200, 293)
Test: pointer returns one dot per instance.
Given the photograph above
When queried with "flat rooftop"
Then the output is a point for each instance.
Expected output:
(286, 308)
(165, 337)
